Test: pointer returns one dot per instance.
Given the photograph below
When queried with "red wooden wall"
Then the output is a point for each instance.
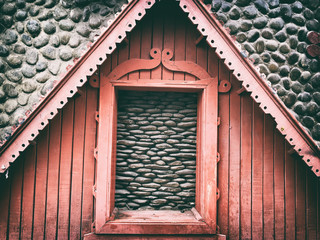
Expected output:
(266, 191)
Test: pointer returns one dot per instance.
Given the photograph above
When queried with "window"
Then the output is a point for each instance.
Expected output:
(202, 218)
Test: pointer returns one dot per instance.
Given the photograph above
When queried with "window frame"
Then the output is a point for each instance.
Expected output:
(206, 160)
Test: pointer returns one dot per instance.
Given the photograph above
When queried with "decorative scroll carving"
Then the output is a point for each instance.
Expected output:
(183, 66)
(165, 57)
(135, 64)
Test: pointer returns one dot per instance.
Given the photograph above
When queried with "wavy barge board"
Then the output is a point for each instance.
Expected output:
(217, 38)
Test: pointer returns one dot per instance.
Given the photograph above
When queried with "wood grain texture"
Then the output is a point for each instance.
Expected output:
(53, 176)
(257, 172)
(29, 158)
(41, 185)
(65, 170)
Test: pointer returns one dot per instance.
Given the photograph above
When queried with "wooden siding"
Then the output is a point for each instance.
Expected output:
(266, 192)
(48, 194)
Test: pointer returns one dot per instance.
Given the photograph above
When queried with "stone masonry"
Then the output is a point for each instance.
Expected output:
(156, 150)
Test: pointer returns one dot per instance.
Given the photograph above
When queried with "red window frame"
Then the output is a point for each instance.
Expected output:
(107, 219)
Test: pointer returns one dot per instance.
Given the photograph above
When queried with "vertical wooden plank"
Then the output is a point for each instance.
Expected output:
(300, 200)
(135, 38)
(146, 38)
(279, 186)
(88, 164)
(202, 51)
(234, 171)
(77, 166)
(5, 185)
(257, 170)
(318, 210)
(168, 37)
(191, 49)
(65, 170)
(41, 185)
(289, 193)
(28, 192)
(15, 199)
(53, 177)
(123, 55)
(179, 42)
(245, 176)
(209, 143)
(268, 203)
(157, 38)
(311, 204)
(224, 147)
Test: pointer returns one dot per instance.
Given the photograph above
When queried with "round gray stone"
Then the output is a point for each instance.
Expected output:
(83, 30)
(33, 27)
(14, 75)
(4, 51)
(49, 27)
(14, 61)
(10, 105)
(31, 56)
(66, 25)
(28, 71)
(59, 13)
(272, 45)
(75, 15)
(41, 66)
(74, 41)
(276, 23)
(284, 48)
(49, 53)
(94, 22)
(19, 49)
(250, 12)
(41, 41)
(245, 25)
(10, 37)
(29, 86)
(65, 54)
(260, 22)
(10, 90)
(26, 39)
(4, 119)
(273, 78)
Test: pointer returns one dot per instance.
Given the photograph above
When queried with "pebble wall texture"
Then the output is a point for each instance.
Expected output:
(38, 40)
(156, 150)
(274, 35)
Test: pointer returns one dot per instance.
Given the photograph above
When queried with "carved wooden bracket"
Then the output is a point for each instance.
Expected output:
(183, 66)
(158, 57)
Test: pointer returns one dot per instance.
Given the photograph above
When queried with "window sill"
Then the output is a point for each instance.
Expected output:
(156, 222)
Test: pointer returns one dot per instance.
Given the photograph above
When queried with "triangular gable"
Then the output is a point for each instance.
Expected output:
(216, 36)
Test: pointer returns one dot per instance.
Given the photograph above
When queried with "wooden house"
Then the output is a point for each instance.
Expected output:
(256, 171)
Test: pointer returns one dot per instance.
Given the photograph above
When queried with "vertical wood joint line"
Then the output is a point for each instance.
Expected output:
(218, 194)
(97, 116)
(218, 157)
(95, 153)
(218, 121)
(94, 190)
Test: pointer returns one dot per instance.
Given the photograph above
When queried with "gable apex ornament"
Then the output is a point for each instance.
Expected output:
(216, 36)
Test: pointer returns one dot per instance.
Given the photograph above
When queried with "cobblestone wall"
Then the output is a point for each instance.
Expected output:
(156, 150)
